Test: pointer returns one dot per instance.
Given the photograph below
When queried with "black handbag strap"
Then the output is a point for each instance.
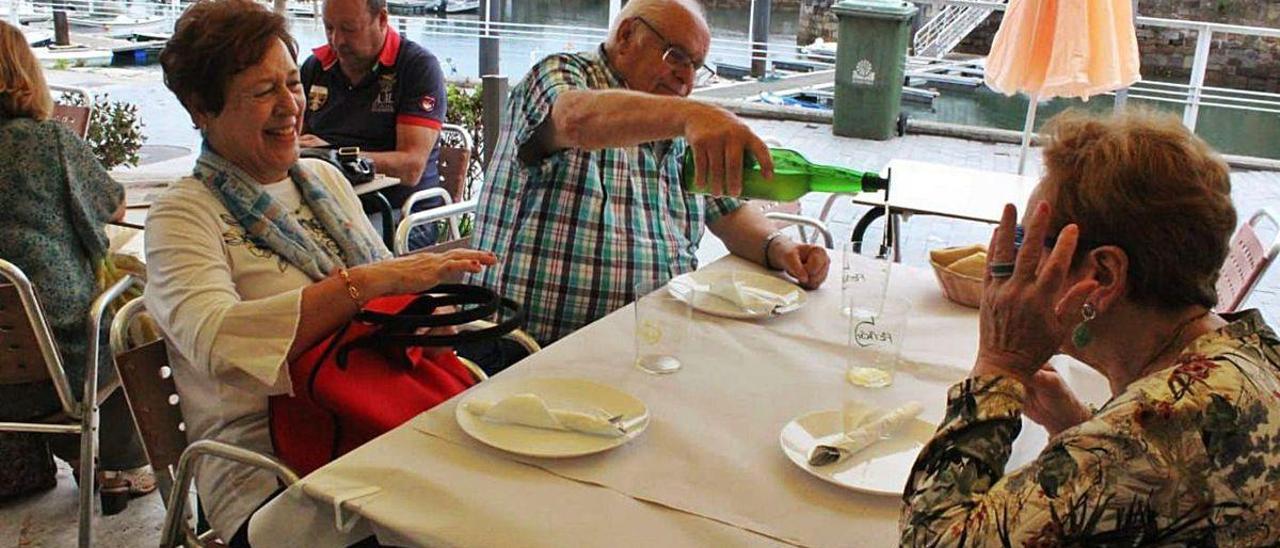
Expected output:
(400, 330)
(473, 302)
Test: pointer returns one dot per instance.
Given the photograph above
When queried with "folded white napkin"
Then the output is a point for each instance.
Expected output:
(531, 410)
(750, 299)
(863, 436)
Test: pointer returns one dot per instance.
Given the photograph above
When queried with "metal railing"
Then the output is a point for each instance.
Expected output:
(1193, 95)
(944, 31)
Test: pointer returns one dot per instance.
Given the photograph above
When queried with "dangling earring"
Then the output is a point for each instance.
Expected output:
(1081, 336)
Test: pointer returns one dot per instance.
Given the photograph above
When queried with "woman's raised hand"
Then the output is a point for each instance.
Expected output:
(1025, 316)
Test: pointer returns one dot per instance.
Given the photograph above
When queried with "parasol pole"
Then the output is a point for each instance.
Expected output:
(1026, 135)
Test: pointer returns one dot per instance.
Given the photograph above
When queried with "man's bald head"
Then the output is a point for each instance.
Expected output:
(641, 36)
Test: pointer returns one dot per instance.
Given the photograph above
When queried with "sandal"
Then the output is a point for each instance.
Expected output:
(141, 480)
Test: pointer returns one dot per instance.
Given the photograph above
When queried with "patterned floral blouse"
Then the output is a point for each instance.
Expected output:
(1187, 456)
(56, 199)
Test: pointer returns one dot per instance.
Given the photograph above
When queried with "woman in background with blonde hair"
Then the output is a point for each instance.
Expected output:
(57, 197)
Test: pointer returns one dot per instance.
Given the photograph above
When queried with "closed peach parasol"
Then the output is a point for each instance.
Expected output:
(1063, 48)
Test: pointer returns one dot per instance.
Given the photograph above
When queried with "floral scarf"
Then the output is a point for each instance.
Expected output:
(267, 223)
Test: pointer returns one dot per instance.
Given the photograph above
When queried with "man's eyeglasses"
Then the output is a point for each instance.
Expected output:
(676, 57)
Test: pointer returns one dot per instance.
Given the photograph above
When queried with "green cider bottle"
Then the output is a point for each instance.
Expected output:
(793, 177)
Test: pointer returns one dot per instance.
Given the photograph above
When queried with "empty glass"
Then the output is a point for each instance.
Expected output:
(662, 325)
(875, 343)
(864, 277)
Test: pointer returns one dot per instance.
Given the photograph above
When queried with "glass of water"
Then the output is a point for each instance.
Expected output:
(662, 326)
(875, 343)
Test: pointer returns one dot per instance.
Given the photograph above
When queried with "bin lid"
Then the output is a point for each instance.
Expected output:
(879, 9)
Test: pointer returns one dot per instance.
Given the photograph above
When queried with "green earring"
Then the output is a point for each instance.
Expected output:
(1081, 336)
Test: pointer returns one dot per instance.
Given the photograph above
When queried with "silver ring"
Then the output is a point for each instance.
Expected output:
(1001, 270)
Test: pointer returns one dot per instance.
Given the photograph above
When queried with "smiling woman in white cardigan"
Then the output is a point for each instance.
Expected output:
(257, 256)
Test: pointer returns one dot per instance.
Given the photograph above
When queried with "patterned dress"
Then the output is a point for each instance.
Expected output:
(575, 232)
(1187, 456)
(56, 199)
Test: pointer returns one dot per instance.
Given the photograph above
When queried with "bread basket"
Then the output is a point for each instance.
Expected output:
(961, 287)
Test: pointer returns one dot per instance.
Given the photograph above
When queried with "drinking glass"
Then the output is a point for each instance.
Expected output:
(875, 343)
(662, 326)
(866, 266)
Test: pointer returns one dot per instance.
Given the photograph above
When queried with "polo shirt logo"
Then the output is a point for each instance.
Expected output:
(428, 103)
(385, 102)
(319, 94)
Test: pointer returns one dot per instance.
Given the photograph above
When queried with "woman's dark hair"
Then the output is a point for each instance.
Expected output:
(213, 41)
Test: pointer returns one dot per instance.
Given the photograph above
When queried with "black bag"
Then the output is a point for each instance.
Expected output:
(347, 159)
(26, 465)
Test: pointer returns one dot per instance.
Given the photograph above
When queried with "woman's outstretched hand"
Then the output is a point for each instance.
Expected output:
(419, 271)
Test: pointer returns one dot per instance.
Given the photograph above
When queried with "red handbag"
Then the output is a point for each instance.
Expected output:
(379, 371)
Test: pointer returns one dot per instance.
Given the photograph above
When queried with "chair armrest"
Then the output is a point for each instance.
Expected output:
(176, 508)
(819, 226)
(407, 207)
(447, 211)
(97, 311)
(119, 336)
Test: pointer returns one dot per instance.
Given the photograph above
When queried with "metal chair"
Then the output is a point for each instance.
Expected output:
(1247, 260)
(32, 356)
(153, 400)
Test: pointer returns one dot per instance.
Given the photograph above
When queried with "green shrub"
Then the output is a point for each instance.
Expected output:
(115, 129)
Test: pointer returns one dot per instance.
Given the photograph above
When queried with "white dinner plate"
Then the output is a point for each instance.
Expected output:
(563, 393)
(681, 287)
(880, 469)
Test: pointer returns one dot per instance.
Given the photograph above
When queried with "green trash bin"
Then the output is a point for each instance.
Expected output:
(871, 56)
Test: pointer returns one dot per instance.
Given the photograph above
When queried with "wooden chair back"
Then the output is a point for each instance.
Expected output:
(153, 399)
(75, 117)
(21, 360)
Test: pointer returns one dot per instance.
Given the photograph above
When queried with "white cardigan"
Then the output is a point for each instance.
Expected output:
(229, 311)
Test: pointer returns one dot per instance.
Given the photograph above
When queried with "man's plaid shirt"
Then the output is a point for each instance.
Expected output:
(577, 231)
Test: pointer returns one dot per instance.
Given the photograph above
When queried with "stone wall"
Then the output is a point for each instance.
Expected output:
(816, 21)
(1235, 61)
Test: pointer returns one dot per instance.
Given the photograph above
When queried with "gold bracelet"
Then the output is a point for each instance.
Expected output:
(352, 290)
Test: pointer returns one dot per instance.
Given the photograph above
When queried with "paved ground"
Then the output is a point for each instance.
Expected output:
(48, 519)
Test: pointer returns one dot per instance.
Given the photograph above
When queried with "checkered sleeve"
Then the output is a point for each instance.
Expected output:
(716, 207)
(422, 100)
(546, 81)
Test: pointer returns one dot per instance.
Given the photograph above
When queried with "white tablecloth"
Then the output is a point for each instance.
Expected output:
(709, 466)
